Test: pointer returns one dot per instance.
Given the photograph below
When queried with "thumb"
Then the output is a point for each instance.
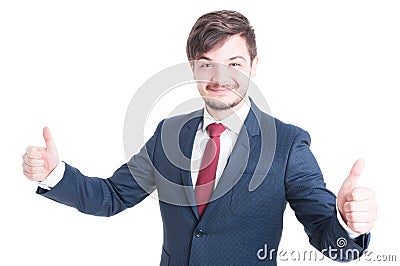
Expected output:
(355, 173)
(50, 146)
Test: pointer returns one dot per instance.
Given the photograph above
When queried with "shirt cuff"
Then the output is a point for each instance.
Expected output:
(54, 177)
(352, 234)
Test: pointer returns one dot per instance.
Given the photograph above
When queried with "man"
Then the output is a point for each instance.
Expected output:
(224, 173)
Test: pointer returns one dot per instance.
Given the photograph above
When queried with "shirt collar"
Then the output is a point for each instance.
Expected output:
(233, 122)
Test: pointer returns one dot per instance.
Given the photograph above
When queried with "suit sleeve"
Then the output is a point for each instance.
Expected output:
(128, 186)
(315, 206)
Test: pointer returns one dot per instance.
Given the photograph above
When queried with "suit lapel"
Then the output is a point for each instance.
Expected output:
(188, 132)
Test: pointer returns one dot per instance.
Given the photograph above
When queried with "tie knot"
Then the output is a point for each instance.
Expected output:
(215, 130)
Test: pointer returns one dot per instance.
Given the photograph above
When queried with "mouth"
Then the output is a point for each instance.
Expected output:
(220, 89)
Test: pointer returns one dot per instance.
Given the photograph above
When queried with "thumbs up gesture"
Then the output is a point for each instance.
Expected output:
(38, 162)
(357, 205)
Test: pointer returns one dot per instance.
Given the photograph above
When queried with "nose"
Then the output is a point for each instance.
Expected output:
(220, 74)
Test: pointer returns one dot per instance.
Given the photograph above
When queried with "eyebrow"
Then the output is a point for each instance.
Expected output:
(229, 59)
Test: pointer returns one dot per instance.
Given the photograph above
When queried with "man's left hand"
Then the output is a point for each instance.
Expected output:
(357, 205)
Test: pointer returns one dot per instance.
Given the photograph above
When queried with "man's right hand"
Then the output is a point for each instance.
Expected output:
(38, 162)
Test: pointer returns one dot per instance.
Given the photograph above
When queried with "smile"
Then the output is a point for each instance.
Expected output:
(219, 89)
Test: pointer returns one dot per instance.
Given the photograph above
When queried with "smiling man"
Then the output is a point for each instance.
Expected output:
(211, 215)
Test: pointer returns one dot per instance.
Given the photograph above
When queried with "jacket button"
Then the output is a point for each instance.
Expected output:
(199, 233)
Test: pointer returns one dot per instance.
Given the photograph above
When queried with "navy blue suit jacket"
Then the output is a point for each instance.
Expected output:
(269, 155)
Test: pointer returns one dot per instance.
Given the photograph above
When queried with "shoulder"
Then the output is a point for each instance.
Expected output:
(265, 119)
(183, 119)
(290, 130)
(177, 122)
(284, 132)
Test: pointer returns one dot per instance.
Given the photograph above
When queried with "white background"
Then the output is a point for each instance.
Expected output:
(330, 67)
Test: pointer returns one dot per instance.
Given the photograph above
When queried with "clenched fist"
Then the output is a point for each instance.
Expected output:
(38, 162)
(357, 205)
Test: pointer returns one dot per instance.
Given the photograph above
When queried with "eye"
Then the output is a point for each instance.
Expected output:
(206, 65)
(235, 64)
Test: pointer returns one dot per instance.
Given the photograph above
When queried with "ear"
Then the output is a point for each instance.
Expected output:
(254, 67)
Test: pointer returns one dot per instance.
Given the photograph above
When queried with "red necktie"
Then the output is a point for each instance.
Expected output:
(208, 168)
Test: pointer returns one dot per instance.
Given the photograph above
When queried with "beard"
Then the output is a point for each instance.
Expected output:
(220, 105)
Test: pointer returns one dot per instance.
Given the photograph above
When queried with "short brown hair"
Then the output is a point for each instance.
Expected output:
(214, 28)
